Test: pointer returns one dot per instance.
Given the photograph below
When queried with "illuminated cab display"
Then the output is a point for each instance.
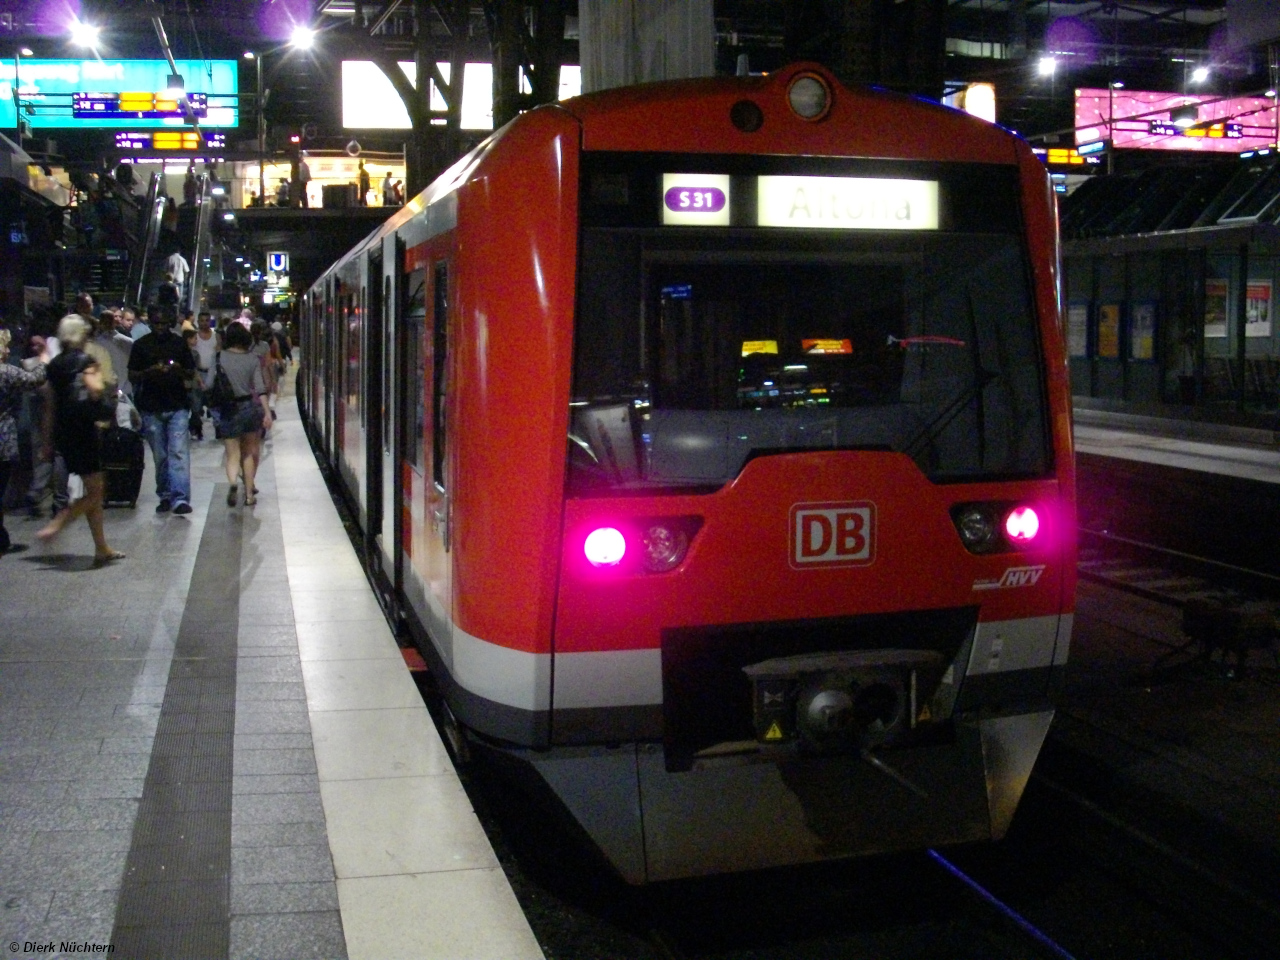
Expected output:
(695, 199)
(800, 304)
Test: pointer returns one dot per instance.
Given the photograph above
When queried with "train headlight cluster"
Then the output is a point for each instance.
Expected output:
(995, 527)
(655, 545)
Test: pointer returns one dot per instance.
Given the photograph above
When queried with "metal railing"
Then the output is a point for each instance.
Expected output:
(151, 216)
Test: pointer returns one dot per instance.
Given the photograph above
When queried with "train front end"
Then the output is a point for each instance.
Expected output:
(817, 564)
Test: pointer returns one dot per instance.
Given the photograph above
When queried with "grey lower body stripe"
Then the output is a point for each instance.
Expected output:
(175, 895)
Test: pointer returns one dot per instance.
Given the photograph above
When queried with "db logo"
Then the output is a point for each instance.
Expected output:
(833, 534)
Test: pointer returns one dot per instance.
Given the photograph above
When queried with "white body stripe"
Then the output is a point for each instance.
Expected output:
(629, 678)
(1014, 644)
(621, 678)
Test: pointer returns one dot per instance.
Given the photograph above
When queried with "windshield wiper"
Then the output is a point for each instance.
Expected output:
(948, 413)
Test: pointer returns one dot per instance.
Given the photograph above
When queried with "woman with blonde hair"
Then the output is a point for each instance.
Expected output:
(76, 379)
(13, 381)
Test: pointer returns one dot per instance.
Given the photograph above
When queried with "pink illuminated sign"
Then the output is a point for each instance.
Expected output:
(1145, 120)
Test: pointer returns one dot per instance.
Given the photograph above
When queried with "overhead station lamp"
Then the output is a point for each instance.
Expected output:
(302, 38)
(1046, 66)
(1186, 116)
(175, 86)
(84, 34)
(1199, 74)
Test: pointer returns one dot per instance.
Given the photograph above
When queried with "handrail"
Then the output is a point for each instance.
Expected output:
(152, 212)
(203, 239)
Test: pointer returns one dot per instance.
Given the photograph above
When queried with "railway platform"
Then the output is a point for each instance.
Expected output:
(1247, 453)
(214, 748)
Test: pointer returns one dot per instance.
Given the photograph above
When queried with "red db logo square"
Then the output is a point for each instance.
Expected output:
(833, 534)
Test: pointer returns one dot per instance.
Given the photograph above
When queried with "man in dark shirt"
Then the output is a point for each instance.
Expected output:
(162, 368)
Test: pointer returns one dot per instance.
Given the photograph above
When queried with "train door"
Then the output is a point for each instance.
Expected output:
(392, 545)
(413, 468)
(372, 406)
(331, 375)
(439, 500)
(338, 364)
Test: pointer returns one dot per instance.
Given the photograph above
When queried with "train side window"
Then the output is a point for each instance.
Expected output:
(413, 411)
(440, 374)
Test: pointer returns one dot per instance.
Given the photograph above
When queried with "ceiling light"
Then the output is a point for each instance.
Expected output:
(1047, 66)
(248, 55)
(1117, 85)
(175, 86)
(1199, 74)
(1183, 117)
(302, 38)
(84, 34)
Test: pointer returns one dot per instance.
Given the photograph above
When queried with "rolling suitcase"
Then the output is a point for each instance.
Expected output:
(123, 458)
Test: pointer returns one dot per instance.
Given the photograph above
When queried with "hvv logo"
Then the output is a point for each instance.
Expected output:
(1013, 577)
(833, 534)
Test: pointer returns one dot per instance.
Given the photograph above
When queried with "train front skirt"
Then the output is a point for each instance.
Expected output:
(730, 815)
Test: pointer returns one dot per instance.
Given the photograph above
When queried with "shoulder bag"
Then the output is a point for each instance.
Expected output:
(221, 393)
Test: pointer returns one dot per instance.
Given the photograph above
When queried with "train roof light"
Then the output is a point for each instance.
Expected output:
(605, 547)
(1022, 524)
(809, 96)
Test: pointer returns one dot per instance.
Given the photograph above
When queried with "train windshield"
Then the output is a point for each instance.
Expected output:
(697, 352)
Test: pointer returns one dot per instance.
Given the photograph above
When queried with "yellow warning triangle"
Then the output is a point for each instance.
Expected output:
(774, 732)
(925, 714)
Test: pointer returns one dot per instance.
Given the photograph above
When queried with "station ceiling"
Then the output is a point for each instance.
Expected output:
(1144, 44)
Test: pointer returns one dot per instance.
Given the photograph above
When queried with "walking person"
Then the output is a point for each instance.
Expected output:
(304, 180)
(263, 346)
(240, 423)
(161, 366)
(206, 346)
(362, 177)
(77, 385)
(47, 466)
(14, 381)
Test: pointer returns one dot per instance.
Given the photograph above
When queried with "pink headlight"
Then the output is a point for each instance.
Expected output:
(605, 547)
(1022, 525)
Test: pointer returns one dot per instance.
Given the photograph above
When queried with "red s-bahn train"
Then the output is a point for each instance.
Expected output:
(712, 438)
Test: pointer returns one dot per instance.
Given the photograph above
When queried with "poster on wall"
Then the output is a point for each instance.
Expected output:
(1109, 330)
(1078, 330)
(1215, 308)
(1257, 314)
(1142, 331)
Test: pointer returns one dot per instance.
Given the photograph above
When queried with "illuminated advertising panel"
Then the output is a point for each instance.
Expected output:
(370, 102)
(847, 203)
(117, 93)
(1143, 120)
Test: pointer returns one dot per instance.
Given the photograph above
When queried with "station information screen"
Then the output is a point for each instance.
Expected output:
(148, 140)
(119, 94)
(138, 105)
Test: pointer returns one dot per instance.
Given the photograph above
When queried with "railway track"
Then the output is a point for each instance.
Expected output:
(1167, 575)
